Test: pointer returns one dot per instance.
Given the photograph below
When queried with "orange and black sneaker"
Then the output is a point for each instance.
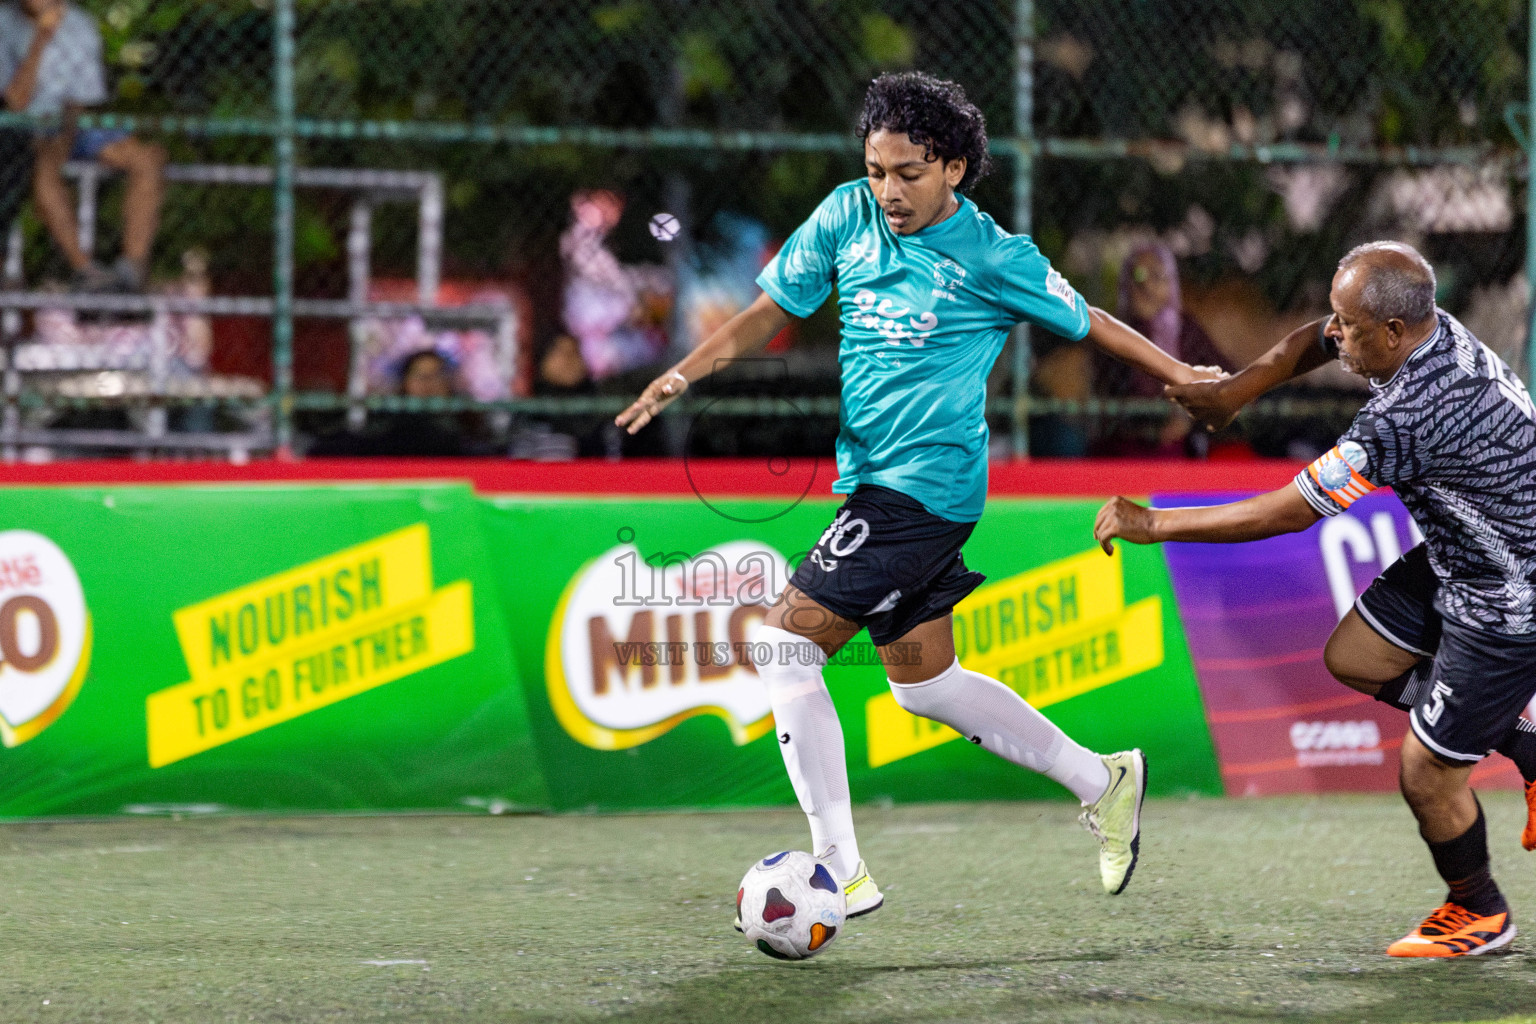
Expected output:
(1453, 930)
(1528, 837)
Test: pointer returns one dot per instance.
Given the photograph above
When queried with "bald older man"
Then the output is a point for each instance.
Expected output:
(1449, 631)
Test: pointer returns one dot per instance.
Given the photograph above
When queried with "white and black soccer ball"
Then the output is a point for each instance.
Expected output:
(664, 227)
(790, 905)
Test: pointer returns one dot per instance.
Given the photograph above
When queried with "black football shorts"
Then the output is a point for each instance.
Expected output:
(1479, 685)
(1480, 681)
(888, 564)
(1400, 604)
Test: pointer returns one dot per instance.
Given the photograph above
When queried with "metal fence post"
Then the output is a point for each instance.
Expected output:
(282, 225)
(1023, 196)
(1530, 198)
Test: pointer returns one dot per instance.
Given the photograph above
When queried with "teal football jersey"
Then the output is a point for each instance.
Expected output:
(924, 317)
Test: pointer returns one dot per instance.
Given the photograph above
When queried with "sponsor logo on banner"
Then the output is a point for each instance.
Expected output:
(1050, 634)
(45, 634)
(306, 638)
(1321, 744)
(637, 647)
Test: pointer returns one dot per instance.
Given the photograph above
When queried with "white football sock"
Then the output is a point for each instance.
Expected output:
(811, 740)
(985, 711)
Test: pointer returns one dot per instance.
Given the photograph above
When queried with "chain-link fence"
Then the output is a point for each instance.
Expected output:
(351, 183)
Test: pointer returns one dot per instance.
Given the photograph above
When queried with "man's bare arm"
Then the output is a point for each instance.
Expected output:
(1135, 349)
(1267, 515)
(742, 334)
(18, 93)
(1214, 404)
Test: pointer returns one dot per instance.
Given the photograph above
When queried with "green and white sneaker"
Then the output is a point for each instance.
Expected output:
(863, 895)
(1115, 818)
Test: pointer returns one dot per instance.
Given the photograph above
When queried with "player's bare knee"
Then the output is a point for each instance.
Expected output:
(1422, 793)
(1344, 666)
(1432, 785)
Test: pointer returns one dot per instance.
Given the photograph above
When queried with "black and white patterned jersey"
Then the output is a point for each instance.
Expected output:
(1453, 433)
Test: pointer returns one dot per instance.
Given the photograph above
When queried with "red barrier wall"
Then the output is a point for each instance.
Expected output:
(712, 477)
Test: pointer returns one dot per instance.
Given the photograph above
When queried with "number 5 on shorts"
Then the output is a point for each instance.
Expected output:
(1435, 706)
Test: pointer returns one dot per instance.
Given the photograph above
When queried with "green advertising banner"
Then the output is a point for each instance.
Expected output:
(416, 647)
(629, 619)
(304, 647)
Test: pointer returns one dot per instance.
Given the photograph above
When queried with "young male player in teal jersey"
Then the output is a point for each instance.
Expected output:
(928, 287)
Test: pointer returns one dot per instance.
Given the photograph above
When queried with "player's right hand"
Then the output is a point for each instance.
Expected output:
(1123, 518)
(658, 394)
(1212, 403)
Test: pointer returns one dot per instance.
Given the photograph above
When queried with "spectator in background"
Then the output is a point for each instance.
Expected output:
(1150, 303)
(412, 433)
(51, 62)
(615, 312)
(562, 373)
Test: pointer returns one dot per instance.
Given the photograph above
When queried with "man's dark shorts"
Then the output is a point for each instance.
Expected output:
(888, 564)
(1400, 604)
(1480, 681)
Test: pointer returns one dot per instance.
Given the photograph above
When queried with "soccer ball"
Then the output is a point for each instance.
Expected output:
(664, 227)
(790, 905)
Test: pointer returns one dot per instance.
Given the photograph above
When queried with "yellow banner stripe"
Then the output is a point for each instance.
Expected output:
(206, 712)
(1084, 659)
(1070, 664)
(1032, 608)
(291, 610)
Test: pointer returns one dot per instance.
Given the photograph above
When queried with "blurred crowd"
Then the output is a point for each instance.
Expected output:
(626, 303)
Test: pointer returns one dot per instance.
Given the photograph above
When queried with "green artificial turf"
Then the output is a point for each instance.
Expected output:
(1251, 911)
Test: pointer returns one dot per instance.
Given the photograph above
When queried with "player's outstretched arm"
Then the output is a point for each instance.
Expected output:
(1214, 404)
(744, 333)
(1136, 349)
(1267, 515)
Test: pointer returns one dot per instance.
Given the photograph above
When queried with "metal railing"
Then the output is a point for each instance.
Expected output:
(1107, 119)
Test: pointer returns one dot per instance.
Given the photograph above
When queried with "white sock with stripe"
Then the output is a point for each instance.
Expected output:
(811, 740)
(986, 712)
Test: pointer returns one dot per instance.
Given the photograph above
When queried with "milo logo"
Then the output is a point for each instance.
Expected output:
(45, 634)
(636, 646)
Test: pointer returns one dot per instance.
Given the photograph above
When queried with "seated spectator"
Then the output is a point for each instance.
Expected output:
(1150, 303)
(423, 374)
(51, 62)
(562, 373)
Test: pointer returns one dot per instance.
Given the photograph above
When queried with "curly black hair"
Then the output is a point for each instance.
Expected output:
(934, 114)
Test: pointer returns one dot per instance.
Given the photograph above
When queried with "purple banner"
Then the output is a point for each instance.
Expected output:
(1257, 615)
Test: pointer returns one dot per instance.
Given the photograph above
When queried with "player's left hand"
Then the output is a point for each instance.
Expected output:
(1123, 518)
(658, 394)
(1212, 403)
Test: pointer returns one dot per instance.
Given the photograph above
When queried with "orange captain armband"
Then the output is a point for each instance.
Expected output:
(1337, 474)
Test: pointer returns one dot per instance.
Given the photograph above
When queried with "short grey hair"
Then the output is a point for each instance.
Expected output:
(1396, 289)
